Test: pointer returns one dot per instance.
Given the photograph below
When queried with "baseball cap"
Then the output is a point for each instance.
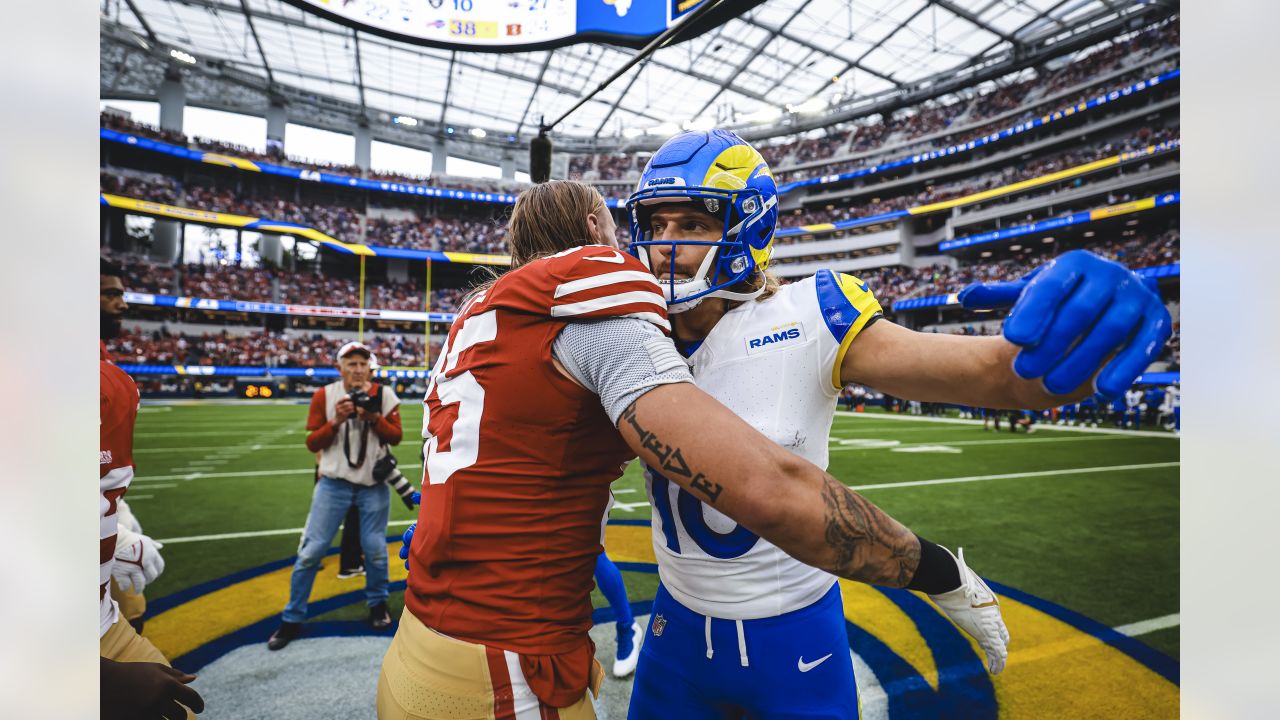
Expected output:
(353, 346)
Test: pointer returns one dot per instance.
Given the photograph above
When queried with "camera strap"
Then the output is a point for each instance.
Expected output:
(364, 433)
(346, 443)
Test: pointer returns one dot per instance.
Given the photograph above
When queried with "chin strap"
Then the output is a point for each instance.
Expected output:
(698, 283)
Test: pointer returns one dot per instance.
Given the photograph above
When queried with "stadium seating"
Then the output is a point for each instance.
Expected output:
(868, 217)
(968, 114)
(256, 349)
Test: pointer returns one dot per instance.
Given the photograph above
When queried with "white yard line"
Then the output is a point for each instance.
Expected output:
(243, 473)
(1143, 627)
(255, 533)
(207, 433)
(1006, 441)
(1039, 426)
(629, 507)
(862, 431)
(1014, 476)
(131, 498)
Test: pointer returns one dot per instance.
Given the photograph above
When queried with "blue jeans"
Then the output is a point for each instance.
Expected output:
(329, 504)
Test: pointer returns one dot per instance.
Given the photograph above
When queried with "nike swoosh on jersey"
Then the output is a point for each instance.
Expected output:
(614, 258)
(863, 287)
(803, 666)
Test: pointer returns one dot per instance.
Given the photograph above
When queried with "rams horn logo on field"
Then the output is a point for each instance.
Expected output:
(916, 662)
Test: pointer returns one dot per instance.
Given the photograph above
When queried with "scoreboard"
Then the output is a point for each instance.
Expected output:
(259, 389)
(505, 25)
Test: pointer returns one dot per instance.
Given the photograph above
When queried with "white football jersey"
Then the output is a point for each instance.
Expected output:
(776, 364)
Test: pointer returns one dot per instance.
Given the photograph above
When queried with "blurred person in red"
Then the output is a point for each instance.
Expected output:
(136, 679)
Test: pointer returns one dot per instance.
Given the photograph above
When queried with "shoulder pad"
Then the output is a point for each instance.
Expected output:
(589, 282)
(845, 301)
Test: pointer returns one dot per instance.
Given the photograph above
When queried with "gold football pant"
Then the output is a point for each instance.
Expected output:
(123, 644)
(132, 604)
(429, 676)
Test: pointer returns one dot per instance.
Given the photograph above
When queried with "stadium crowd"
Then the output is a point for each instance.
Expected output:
(898, 282)
(230, 282)
(120, 123)
(408, 296)
(257, 349)
(935, 117)
(971, 184)
(485, 235)
(898, 151)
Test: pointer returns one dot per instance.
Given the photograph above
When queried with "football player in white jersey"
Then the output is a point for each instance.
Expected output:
(739, 628)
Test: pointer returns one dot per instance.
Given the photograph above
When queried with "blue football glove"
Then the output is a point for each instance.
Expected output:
(408, 538)
(1072, 314)
(416, 498)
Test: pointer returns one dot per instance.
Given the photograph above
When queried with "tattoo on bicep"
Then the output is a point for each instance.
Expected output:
(671, 459)
(869, 545)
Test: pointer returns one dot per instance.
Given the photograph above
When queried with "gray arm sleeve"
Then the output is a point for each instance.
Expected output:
(619, 359)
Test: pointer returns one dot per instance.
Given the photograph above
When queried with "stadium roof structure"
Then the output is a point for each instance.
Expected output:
(779, 67)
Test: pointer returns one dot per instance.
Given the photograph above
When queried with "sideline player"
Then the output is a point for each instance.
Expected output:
(702, 220)
(552, 377)
(136, 680)
(630, 632)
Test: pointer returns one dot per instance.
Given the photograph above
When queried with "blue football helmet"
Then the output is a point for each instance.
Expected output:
(721, 174)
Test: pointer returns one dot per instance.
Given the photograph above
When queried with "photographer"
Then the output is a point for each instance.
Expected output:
(385, 470)
(349, 423)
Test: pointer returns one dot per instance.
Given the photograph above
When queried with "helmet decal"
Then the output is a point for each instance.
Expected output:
(734, 184)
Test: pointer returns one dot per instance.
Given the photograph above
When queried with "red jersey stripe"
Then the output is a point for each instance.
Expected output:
(504, 707)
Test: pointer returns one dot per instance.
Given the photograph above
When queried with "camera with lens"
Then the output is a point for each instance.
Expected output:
(362, 399)
(385, 470)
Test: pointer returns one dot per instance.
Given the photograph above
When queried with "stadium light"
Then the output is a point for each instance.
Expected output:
(1047, 240)
(405, 120)
(1015, 248)
(763, 115)
(812, 105)
(477, 133)
(181, 56)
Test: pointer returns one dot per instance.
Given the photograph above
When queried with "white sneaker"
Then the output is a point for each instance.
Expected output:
(624, 666)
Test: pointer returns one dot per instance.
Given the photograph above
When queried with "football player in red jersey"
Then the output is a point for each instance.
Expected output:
(552, 378)
(136, 680)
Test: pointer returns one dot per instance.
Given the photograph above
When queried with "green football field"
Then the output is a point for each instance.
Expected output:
(1087, 520)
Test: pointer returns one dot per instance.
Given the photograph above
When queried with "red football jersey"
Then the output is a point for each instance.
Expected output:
(118, 410)
(518, 464)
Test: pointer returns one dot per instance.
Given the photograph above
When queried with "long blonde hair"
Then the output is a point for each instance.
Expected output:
(551, 217)
(547, 218)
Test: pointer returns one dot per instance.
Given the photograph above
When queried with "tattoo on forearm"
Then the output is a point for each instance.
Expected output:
(869, 545)
(671, 459)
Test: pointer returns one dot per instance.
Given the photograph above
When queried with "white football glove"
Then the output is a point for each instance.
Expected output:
(138, 561)
(976, 609)
(126, 518)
